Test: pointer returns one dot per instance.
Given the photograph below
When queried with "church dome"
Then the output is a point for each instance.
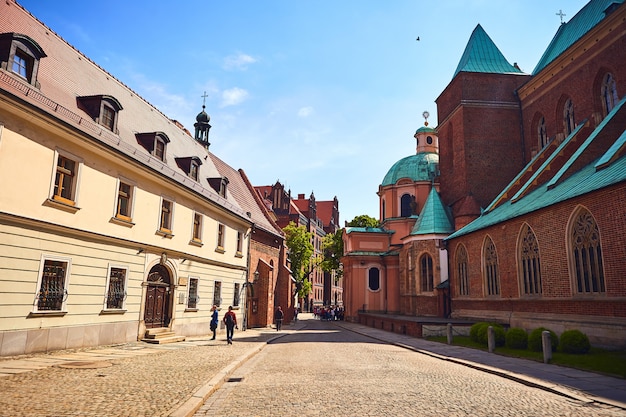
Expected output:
(423, 166)
(203, 117)
(425, 129)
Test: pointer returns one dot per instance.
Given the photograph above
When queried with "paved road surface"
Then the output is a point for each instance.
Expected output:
(324, 370)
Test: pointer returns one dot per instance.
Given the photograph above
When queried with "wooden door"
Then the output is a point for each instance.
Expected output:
(157, 307)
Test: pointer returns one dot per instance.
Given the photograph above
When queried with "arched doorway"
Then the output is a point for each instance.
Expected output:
(158, 311)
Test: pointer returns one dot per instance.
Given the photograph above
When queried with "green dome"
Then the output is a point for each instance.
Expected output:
(425, 129)
(420, 167)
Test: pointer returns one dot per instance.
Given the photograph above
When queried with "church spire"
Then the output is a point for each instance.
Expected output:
(202, 125)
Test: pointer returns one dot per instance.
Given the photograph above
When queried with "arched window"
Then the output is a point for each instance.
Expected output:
(383, 208)
(608, 94)
(461, 270)
(426, 273)
(542, 133)
(490, 260)
(373, 281)
(569, 123)
(586, 254)
(530, 266)
(406, 208)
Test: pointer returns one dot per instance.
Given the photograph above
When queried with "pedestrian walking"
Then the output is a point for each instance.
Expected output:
(295, 314)
(230, 320)
(214, 321)
(278, 316)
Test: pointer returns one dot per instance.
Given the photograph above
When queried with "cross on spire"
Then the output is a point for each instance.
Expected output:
(561, 15)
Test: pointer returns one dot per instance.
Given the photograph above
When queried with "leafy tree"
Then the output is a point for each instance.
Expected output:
(333, 251)
(300, 248)
(363, 221)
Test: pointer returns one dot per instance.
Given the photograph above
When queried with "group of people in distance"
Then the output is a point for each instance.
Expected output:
(230, 321)
(328, 313)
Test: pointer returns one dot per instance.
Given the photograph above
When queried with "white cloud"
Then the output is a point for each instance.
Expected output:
(233, 96)
(238, 62)
(305, 111)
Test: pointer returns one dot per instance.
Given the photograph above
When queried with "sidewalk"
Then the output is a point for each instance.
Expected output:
(581, 385)
(194, 369)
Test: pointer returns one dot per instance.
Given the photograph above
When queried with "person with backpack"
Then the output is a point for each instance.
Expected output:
(230, 320)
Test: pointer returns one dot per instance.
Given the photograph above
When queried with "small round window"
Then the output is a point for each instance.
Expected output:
(429, 140)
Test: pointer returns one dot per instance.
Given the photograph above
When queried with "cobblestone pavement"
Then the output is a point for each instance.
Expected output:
(142, 380)
(325, 370)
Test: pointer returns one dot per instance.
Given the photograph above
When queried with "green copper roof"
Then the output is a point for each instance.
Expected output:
(368, 230)
(482, 55)
(420, 167)
(585, 20)
(434, 218)
(425, 129)
(605, 171)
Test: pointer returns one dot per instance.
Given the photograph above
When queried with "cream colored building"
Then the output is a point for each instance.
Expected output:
(113, 218)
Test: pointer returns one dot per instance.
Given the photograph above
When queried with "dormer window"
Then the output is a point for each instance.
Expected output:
(20, 55)
(190, 165)
(102, 109)
(155, 143)
(219, 184)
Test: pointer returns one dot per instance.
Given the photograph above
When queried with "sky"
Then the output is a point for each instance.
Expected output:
(323, 96)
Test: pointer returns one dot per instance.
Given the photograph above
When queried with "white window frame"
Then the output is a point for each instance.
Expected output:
(108, 283)
(42, 262)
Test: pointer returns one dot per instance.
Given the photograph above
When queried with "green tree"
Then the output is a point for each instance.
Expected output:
(363, 221)
(300, 248)
(332, 244)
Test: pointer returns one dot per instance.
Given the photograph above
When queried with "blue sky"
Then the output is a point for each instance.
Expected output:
(324, 96)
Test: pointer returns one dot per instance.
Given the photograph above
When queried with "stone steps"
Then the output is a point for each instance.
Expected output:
(161, 336)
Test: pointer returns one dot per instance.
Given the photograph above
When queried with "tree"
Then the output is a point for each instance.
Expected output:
(363, 221)
(300, 249)
(333, 251)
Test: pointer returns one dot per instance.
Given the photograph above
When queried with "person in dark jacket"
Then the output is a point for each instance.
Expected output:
(214, 321)
(278, 317)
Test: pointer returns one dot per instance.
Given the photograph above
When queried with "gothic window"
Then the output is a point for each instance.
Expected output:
(116, 288)
(529, 262)
(490, 260)
(542, 133)
(461, 270)
(406, 209)
(20, 55)
(569, 123)
(609, 94)
(426, 273)
(373, 281)
(586, 254)
(383, 208)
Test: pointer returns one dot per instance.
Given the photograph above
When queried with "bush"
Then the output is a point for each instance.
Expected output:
(534, 340)
(516, 338)
(479, 333)
(574, 341)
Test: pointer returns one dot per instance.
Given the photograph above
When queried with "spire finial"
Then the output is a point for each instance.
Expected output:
(561, 15)
(426, 115)
(204, 96)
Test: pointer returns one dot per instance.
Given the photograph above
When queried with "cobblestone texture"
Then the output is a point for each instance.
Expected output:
(328, 372)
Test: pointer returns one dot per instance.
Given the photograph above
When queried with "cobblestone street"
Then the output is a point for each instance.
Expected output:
(323, 370)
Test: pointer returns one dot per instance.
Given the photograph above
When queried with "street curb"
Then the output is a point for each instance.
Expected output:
(197, 399)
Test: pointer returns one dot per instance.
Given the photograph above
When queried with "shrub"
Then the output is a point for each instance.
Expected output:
(574, 341)
(534, 339)
(516, 338)
(479, 333)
